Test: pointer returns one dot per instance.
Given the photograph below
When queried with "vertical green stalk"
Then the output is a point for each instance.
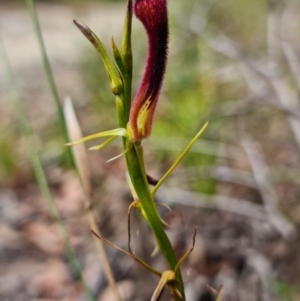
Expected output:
(40, 175)
(135, 161)
(49, 75)
(136, 170)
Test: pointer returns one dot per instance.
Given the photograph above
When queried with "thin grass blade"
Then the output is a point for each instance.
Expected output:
(49, 74)
(40, 175)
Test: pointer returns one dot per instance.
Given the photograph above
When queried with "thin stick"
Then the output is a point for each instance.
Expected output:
(288, 50)
(129, 228)
(183, 258)
(268, 195)
(183, 197)
(144, 264)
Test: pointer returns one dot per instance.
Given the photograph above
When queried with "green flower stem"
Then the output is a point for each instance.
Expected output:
(135, 161)
(136, 170)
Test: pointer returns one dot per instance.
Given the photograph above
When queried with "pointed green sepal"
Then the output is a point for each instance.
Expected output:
(116, 83)
(116, 132)
(179, 159)
(102, 145)
(118, 156)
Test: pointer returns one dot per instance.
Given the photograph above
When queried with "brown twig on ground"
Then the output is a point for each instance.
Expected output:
(220, 173)
(259, 76)
(203, 146)
(173, 196)
(262, 177)
(288, 16)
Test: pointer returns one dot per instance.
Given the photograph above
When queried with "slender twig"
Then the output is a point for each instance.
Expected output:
(257, 76)
(268, 195)
(174, 196)
(222, 174)
(288, 50)
(144, 264)
(273, 32)
(285, 96)
(203, 146)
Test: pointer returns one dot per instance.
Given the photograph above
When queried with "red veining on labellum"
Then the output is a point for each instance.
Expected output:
(154, 17)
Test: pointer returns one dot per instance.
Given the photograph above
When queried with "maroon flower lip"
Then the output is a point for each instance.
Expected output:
(153, 15)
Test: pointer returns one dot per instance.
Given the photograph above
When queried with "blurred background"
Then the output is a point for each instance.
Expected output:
(235, 63)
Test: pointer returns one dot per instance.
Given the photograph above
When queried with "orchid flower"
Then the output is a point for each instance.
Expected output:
(153, 15)
(135, 124)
